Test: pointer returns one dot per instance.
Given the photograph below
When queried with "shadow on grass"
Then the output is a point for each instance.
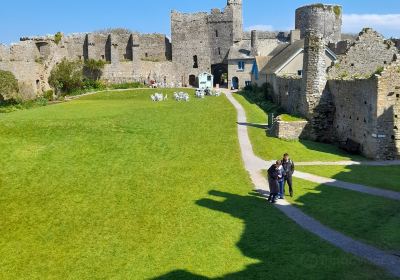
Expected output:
(256, 125)
(282, 249)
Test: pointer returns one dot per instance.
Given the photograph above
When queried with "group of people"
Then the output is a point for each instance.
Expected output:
(280, 174)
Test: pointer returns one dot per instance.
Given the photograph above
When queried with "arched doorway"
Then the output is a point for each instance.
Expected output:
(235, 83)
(220, 73)
(192, 80)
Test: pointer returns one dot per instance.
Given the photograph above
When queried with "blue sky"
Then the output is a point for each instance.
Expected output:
(26, 17)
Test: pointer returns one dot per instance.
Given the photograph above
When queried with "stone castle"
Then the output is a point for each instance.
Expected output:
(347, 87)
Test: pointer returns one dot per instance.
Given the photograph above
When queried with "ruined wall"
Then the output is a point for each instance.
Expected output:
(369, 53)
(355, 115)
(325, 19)
(287, 92)
(148, 70)
(388, 112)
(155, 47)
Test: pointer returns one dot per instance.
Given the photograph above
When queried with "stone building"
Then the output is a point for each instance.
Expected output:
(351, 97)
(201, 41)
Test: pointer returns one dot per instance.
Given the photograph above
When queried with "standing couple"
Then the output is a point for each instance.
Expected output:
(279, 174)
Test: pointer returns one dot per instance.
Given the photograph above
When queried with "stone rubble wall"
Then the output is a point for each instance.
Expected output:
(365, 56)
(288, 130)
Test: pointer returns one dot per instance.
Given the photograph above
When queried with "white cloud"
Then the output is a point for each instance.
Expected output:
(388, 24)
(260, 27)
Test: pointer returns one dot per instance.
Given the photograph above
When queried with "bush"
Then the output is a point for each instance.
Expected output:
(8, 85)
(92, 84)
(58, 37)
(127, 85)
(93, 69)
(48, 95)
(67, 76)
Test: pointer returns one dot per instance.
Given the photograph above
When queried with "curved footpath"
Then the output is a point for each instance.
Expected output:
(254, 165)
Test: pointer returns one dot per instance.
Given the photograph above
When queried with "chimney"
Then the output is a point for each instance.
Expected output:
(294, 35)
(254, 43)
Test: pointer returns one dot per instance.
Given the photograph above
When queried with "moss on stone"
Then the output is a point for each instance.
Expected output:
(338, 11)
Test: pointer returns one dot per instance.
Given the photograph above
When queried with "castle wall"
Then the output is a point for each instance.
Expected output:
(28, 75)
(369, 53)
(388, 113)
(220, 35)
(190, 37)
(287, 93)
(155, 47)
(356, 112)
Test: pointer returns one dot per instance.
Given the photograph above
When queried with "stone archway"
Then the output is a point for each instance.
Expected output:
(192, 80)
(220, 73)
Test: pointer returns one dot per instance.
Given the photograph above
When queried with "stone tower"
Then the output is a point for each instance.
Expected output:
(314, 72)
(319, 24)
(326, 20)
(235, 6)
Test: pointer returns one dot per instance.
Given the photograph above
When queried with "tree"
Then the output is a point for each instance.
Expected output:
(93, 69)
(8, 85)
(67, 76)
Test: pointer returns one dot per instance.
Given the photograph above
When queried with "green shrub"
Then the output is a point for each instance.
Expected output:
(93, 69)
(67, 76)
(93, 84)
(379, 70)
(127, 85)
(58, 37)
(8, 85)
(48, 95)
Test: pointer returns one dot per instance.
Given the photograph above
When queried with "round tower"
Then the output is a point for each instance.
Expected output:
(321, 20)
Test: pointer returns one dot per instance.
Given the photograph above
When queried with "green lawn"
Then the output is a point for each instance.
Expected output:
(271, 148)
(385, 177)
(372, 219)
(114, 186)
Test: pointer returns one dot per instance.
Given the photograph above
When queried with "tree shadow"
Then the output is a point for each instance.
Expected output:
(282, 249)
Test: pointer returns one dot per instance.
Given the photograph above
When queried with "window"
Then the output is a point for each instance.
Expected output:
(102, 57)
(219, 51)
(241, 65)
(300, 72)
(195, 62)
(146, 55)
(209, 78)
(398, 95)
(247, 83)
(216, 33)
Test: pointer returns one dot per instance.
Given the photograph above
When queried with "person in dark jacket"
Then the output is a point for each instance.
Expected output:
(288, 167)
(273, 177)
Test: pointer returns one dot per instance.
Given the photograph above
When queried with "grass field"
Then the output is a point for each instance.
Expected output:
(114, 186)
(385, 177)
(374, 220)
(271, 148)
